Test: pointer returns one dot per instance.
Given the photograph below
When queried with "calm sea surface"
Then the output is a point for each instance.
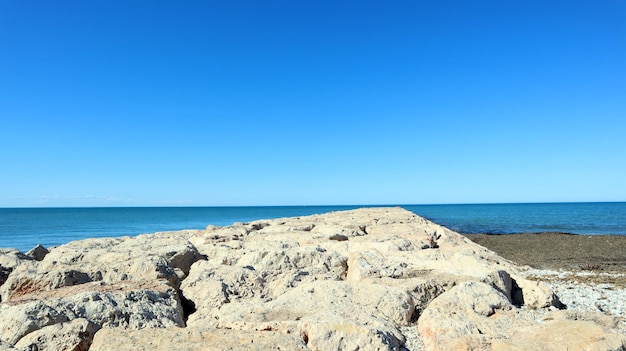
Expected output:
(23, 228)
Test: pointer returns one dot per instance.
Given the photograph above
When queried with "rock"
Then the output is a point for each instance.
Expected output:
(191, 339)
(327, 314)
(469, 314)
(75, 335)
(535, 294)
(4, 346)
(476, 315)
(501, 281)
(38, 252)
(11, 258)
(559, 333)
(162, 256)
(128, 304)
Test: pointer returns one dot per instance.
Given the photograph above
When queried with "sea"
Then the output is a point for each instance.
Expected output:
(23, 228)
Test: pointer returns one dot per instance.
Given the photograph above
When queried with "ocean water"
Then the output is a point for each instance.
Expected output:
(23, 228)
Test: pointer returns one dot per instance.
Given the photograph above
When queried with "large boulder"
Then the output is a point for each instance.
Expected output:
(75, 335)
(163, 256)
(132, 305)
(193, 339)
(467, 317)
(11, 258)
(562, 334)
(477, 316)
(327, 314)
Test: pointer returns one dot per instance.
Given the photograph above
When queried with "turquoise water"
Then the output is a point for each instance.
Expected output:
(23, 228)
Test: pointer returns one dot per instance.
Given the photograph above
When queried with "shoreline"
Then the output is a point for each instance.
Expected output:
(559, 251)
(586, 272)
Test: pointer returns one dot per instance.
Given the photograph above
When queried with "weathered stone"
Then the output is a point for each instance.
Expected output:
(162, 256)
(476, 315)
(501, 281)
(328, 314)
(38, 252)
(5, 346)
(351, 280)
(535, 294)
(558, 332)
(130, 304)
(468, 314)
(193, 339)
(75, 335)
(11, 258)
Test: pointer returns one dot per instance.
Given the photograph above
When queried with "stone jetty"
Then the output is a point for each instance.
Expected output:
(366, 279)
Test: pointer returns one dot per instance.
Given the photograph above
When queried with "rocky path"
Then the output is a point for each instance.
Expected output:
(367, 279)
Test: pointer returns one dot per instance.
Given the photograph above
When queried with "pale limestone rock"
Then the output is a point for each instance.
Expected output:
(75, 335)
(160, 257)
(562, 332)
(535, 294)
(128, 304)
(382, 246)
(193, 339)
(466, 317)
(477, 316)
(11, 258)
(328, 315)
(502, 281)
(469, 314)
(350, 336)
(350, 280)
(210, 286)
(5, 346)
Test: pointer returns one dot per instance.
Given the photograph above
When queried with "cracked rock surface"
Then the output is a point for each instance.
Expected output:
(366, 279)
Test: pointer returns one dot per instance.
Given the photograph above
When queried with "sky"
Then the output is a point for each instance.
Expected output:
(237, 103)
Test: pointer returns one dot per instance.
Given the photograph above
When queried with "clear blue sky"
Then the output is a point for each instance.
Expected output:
(131, 103)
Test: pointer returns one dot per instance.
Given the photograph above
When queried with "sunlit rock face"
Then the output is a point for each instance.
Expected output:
(351, 280)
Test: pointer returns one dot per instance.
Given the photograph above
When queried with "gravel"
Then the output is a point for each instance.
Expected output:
(585, 297)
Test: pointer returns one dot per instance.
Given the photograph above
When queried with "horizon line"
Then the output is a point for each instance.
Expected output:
(317, 205)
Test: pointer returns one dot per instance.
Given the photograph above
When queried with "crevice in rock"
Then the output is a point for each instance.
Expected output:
(305, 338)
(338, 237)
(344, 272)
(256, 227)
(517, 296)
(188, 306)
(4, 274)
(416, 314)
(423, 295)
